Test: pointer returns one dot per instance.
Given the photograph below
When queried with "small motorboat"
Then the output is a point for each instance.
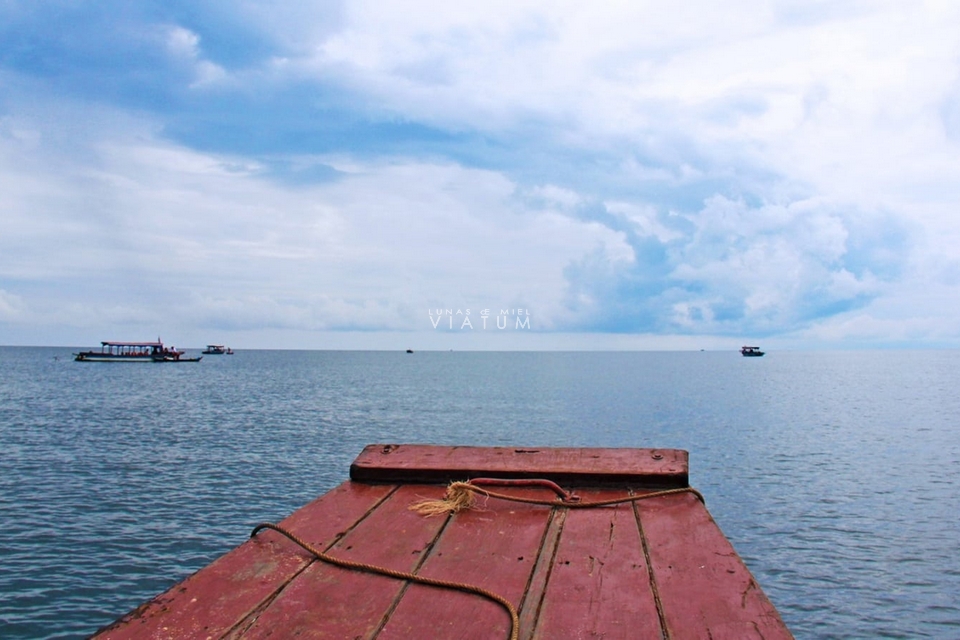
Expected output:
(218, 350)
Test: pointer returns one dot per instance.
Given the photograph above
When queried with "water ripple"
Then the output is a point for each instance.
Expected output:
(834, 475)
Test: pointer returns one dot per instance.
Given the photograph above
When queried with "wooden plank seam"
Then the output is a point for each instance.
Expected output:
(424, 556)
(541, 572)
(664, 630)
(249, 620)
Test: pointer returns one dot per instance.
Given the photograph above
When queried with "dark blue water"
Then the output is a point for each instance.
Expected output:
(835, 475)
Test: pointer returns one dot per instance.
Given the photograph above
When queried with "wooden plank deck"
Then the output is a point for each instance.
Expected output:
(657, 568)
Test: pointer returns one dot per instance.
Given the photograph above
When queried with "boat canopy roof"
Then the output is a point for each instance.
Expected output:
(108, 343)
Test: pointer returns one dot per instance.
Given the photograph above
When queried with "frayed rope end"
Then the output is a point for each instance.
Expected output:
(459, 496)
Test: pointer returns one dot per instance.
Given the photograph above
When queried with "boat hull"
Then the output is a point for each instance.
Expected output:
(96, 356)
(645, 568)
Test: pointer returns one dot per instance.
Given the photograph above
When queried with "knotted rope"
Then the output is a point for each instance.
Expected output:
(460, 496)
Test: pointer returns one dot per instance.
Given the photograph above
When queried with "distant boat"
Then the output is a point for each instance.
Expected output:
(751, 352)
(218, 350)
(409, 350)
(133, 352)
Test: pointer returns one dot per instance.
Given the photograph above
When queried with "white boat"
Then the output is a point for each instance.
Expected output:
(218, 350)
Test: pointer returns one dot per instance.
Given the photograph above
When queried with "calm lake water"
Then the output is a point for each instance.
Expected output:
(835, 475)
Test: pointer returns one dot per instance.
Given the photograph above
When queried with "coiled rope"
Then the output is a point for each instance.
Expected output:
(460, 496)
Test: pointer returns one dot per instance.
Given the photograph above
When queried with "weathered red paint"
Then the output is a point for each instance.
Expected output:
(658, 568)
(705, 588)
(599, 584)
(494, 547)
(662, 468)
(214, 600)
(345, 603)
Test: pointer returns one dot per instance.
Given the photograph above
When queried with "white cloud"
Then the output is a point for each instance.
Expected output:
(183, 42)
(774, 164)
(850, 104)
(216, 236)
(184, 45)
(11, 306)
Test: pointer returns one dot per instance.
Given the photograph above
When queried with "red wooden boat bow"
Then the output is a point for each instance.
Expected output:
(572, 543)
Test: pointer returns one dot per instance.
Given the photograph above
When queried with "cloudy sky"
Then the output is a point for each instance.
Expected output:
(288, 173)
